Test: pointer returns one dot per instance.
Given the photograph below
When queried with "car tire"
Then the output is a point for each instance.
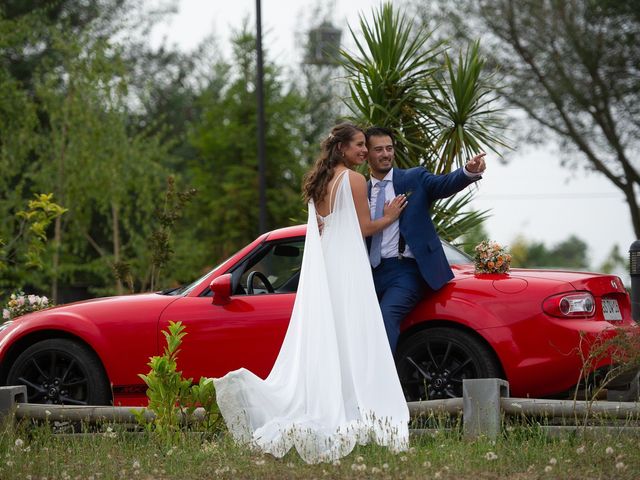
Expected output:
(433, 363)
(61, 371)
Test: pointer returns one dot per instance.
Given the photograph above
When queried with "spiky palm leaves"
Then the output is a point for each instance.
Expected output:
(441, 113)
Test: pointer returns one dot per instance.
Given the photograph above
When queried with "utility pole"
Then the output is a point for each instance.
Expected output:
(262, 169)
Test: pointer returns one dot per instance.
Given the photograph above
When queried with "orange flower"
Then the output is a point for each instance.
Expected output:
(490, 264)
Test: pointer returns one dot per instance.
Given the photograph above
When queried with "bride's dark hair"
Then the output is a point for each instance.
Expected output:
(314, 185)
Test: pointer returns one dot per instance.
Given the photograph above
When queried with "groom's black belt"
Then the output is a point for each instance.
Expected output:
(396, 259)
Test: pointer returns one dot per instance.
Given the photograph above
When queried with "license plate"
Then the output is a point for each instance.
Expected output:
(611, 310)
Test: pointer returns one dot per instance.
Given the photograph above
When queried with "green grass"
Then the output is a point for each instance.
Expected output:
(523, 452)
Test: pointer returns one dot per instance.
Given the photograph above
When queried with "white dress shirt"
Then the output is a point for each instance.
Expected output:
(391, 234)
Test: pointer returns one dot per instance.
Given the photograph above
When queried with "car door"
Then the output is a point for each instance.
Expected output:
(248, 331)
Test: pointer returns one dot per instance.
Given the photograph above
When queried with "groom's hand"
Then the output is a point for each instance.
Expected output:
(476, 164)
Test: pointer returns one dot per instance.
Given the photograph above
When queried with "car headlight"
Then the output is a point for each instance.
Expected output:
(570, 305)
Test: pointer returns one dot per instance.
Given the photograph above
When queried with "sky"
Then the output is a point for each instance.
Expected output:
(532, 195)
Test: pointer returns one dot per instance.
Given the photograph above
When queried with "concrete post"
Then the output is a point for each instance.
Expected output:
(481, 407)
(9, 396)
(634, 271)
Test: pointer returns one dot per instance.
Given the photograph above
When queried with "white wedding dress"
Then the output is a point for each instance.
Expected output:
(334, 383)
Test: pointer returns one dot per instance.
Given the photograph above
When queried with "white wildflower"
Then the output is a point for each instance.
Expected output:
(620, 466)
(19, 443)
(552, 461)
(580, 450)
(490, 456)
(609, 451)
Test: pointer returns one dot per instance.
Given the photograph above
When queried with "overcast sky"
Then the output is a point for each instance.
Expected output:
(532, 195)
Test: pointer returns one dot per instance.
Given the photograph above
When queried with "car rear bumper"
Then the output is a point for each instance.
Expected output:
(557, 356)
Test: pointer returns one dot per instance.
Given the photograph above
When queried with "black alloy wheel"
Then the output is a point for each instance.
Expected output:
(61, 371)
(433, 363)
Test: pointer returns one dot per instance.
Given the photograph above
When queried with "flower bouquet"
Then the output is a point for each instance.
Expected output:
(21, 304)
(491, 257)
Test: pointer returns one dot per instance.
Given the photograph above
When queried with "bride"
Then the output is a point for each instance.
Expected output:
(334, 383)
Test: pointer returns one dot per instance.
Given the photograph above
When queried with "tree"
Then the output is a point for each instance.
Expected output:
(71, 123)
(570, 253)
(25, 250)
(614, 261)
(440, 109)
(573, 67)
(226, 170)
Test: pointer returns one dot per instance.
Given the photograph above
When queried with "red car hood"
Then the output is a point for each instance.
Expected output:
(98, 308)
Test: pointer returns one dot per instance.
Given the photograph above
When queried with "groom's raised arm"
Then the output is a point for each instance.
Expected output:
(442, 186)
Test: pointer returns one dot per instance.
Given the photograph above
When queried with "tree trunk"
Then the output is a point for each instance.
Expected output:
(634, 209)
(57, 241)
(115, 218)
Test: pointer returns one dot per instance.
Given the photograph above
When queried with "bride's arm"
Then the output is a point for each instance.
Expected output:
(391, 211)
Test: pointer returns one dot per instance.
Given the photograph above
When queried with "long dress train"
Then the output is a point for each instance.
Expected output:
(334, 383)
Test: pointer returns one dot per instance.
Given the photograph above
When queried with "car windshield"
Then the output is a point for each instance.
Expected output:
(455, 256)
(185, 289)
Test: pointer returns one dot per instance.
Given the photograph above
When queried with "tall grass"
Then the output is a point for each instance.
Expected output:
(522, 452)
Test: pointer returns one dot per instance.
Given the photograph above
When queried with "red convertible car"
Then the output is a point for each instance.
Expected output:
(531, 327)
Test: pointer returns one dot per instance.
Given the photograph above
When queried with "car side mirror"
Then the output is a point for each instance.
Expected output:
(221, 289)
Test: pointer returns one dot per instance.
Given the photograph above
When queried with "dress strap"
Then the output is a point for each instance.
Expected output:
(331, 198)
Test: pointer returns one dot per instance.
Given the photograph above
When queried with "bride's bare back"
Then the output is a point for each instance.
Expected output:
(358, 184)
(324, 206)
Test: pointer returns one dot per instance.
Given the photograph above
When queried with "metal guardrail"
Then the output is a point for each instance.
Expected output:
(483, 405)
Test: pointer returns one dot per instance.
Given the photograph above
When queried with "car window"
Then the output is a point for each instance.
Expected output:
(279, 262)
(455, 256)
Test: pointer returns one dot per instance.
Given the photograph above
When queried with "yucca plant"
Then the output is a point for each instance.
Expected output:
(441, 112)
(390, 81)
(463, 114)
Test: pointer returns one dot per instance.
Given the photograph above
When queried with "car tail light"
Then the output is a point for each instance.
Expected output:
(570, 305)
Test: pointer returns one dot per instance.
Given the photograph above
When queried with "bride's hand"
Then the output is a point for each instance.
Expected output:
(394, 208)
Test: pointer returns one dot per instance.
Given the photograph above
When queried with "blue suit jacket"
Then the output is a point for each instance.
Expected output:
(422, 189)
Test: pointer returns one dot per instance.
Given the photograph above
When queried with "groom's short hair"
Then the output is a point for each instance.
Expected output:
(379, 132)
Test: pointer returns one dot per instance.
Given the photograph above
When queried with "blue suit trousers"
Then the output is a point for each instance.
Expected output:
(399, 286)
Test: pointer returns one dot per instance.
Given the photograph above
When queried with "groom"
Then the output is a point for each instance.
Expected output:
(407, 257)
